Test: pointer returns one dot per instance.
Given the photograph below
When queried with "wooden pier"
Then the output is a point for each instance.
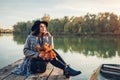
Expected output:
(95, 74)
(56, 73)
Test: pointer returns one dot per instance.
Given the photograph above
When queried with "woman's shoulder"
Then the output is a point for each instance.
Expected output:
(32, 37)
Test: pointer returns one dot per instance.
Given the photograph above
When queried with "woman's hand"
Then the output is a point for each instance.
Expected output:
(47, 34)
(44, 55)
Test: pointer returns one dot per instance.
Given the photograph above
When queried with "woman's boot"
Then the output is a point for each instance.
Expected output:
(70, 72)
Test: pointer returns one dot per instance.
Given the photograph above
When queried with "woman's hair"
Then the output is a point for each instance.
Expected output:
(36, 32)
(35, 28)
(35, 25)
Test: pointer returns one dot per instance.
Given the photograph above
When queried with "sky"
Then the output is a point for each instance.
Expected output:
(13, 11)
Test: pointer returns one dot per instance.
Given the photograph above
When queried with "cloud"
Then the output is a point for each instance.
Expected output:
(17, 10)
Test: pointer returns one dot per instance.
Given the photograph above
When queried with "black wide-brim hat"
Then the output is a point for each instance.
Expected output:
(44, 22)
(37, 23)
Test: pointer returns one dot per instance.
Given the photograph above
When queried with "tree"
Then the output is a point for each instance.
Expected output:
(88, 24)
(46, 17)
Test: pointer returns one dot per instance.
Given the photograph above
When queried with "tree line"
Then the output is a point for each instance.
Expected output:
(101, 23)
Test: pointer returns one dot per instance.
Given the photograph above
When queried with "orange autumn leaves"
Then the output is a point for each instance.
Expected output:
(46, 52)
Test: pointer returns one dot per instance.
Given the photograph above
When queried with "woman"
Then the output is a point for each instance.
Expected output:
(38, 37)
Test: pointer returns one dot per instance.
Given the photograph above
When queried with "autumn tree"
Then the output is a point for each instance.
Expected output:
(46, 17)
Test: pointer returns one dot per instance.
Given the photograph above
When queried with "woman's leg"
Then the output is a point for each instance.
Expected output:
(68, 71)
(58, 63)
(59, 57)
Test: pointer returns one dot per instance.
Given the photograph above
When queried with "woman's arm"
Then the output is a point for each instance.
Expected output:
(30, 47)
(50, 41)
(50, 38)
(30, 53)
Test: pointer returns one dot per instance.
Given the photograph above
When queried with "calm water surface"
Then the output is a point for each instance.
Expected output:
(85, 54)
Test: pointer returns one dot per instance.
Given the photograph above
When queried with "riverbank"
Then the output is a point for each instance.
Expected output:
(79, 34)
(74, 34)
(6, 30)
(87, 35)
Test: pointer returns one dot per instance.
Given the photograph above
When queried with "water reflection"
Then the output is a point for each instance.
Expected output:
(89, 46)
(19, 38)
(101, 47)
(6, 34)
(10, 51)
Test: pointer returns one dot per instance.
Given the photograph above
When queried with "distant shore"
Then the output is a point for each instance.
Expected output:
(6, 30)
(82, 34)
(73, 34)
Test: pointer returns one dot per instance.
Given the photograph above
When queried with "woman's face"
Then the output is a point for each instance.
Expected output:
(42, 28)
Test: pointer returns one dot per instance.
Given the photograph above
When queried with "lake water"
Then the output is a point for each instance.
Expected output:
(82, 53)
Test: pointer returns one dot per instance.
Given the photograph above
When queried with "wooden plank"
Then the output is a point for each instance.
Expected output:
(6, 71)
(57, 77)
(15, 77)
(94, 76)
(57, 74)
(52, 77)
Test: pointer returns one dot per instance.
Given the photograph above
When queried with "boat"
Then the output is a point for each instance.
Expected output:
(106, 72)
